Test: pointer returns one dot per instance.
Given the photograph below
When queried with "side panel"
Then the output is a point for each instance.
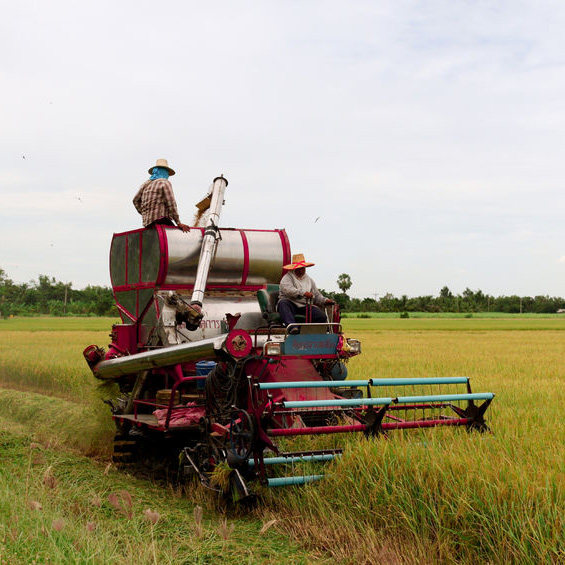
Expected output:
(136, 260)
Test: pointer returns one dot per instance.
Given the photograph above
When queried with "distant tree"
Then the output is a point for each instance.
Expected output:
(344, 282)
(445, 292)
(342, 299)
(49, 296)
(369, 305)
(387, 303)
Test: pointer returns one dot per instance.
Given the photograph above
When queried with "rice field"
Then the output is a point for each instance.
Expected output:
(440, 496)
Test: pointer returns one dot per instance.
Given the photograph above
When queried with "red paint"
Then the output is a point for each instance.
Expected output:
(126, 259)
(245, 257)
(425, 424)
(239, 344)
(287, 255)
(318, 430)
(164, 255)
(418, 406)
(252, 288)
(140, 256)
(134, 286)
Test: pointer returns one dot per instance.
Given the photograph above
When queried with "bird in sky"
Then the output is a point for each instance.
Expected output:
(79, 199)
(316, 219)
(23, 156)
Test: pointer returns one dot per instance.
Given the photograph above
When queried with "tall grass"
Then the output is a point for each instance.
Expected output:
(57, 507)
(427, 497)
(46, 385)
(445, 495)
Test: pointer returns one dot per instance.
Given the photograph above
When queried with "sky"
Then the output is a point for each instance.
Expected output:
(425, 137)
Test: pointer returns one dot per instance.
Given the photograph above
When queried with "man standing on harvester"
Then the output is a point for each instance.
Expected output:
(298, 291)
(155, 200)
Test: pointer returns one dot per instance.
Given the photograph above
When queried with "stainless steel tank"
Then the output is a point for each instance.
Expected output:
(168, 258)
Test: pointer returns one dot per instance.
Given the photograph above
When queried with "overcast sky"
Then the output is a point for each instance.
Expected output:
(427, 136)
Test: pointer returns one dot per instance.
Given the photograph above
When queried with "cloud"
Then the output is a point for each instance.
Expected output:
(427, 136)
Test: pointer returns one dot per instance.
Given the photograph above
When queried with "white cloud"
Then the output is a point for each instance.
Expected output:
(427, 136)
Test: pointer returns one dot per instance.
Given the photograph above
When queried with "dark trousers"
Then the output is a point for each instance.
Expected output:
(288, 310)
(161, 222)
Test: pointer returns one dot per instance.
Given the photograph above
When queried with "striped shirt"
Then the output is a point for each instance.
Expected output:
(155, 200)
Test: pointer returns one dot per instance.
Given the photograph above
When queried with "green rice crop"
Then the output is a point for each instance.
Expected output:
(439, 496)
(446, 495)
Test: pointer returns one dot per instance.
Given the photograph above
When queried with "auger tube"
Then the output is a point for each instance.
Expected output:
(210, 240)
(182, 353)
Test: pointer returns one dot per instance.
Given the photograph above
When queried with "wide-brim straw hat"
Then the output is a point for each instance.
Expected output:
(298, 262)
(162, 163)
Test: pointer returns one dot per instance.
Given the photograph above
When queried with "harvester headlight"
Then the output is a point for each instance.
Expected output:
(272, 348)
(354, 346)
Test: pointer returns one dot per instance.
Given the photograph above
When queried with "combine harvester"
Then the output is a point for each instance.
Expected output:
(211, 381)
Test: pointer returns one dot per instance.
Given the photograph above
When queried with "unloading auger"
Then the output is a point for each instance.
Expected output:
(209, 376)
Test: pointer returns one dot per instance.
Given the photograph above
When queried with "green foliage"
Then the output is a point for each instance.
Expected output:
(344, 282)
(469, 301)
(55, 298)
(49, 296)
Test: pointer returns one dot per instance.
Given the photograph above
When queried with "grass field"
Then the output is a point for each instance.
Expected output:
(443, 496)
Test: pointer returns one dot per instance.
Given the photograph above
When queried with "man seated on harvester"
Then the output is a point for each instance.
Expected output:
(298, 294)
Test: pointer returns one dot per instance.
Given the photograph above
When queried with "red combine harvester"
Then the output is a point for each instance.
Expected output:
(210, 379)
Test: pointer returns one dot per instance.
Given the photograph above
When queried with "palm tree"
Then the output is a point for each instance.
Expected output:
(344, 282)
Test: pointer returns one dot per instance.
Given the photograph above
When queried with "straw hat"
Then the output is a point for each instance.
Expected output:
(297, 262)
(162, 163)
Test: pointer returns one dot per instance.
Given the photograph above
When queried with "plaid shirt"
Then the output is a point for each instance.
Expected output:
(155, 200)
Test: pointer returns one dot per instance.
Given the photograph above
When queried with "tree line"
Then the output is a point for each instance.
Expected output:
(52, 297)
(49, 296)
(446, 301)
